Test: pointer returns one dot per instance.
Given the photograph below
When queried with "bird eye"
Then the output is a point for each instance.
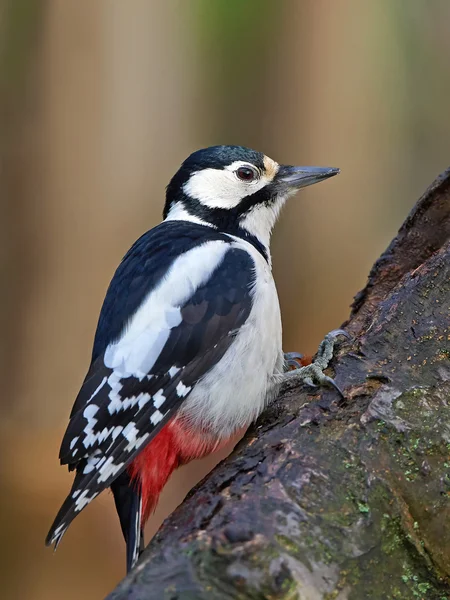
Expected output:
(246, 174)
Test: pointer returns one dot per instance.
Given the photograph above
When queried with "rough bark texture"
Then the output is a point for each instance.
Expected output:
(330, 499)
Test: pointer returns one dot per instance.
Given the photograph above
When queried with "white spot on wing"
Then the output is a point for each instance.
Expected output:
(131, 433)
(105, 379)
(115, 403)
(59, 532)
(173, 371)
(158, 399)
(108, 469)
(183, 390)
(143, 399)
(74, 441)
(83, 500)
(116, 431)
(137, 443)
(90, 411)
(59, 529)
(92, 462)
(88, 414)
(156, 417)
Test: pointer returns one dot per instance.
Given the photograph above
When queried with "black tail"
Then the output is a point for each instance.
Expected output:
(129, 508)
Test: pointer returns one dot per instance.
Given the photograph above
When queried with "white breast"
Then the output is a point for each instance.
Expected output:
(238, 387)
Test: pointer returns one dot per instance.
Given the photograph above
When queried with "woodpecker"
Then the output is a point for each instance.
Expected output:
(188, 343)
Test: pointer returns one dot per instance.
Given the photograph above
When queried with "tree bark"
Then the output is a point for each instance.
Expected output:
(331, 499)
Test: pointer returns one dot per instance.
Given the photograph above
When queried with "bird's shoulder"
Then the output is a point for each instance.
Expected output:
(143, 267)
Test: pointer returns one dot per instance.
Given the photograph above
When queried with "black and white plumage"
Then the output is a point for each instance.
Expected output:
(188, 344)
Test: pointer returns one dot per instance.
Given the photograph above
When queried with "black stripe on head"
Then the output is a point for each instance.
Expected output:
(227, 218)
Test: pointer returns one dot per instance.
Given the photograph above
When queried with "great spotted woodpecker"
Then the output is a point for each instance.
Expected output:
(188, 344)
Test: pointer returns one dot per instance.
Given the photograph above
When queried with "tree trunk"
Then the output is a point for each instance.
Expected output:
(331, 499)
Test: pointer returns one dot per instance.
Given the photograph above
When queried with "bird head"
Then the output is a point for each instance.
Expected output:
(232, 188)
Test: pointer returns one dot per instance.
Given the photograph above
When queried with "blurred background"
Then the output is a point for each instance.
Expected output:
(99, 103)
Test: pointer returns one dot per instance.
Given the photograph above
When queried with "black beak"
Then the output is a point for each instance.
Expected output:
(294, 178)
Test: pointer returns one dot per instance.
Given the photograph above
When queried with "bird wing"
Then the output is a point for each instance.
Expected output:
(179, 331)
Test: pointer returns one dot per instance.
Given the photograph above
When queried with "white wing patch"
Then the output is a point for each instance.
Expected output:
(138, 349)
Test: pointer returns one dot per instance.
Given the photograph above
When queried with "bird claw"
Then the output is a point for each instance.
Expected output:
(292, 360)
(292, 365)
(337, 332)
(331, 382)
(313, 375)
(293, 356)
(326, 347)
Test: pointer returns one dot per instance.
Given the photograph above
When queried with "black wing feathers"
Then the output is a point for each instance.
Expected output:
(140, 271)
(210, 319)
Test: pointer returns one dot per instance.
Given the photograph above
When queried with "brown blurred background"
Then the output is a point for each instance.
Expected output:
(100, 101)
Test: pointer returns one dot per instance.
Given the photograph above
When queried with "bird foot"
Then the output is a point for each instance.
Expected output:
(292, 360)
(313, 374)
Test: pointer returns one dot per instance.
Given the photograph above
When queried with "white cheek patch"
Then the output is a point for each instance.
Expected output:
(220, 188)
